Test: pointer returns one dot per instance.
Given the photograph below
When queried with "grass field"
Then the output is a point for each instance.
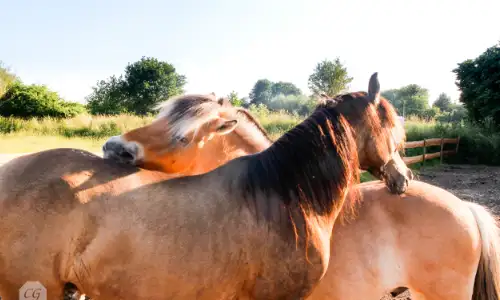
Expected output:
(89, 132)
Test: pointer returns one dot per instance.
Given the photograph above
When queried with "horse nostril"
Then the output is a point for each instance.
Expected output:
(118, 151)
(127, 156)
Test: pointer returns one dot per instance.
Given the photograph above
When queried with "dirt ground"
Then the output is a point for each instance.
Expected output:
(479, 184)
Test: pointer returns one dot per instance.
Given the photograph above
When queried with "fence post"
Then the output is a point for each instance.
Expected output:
(423, 160)
(458, 142)
(442, 147)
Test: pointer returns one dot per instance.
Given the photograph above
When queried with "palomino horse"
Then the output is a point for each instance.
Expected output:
(258, 227)
(167, 146)
(428, 240)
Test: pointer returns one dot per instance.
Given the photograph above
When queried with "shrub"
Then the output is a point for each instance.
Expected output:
(25, 101)
(479, 81)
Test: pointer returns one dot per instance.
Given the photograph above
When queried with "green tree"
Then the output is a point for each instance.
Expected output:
(443, 102)
(298, 104)
(329, 77)
(390, 95)
(146, 83)
(411, 99)
(261, 92)
(234, 99)
(285, 88)
(456, 114)
(108, 97)
(429, 113)
(479, 81)
(26, 101)
(264, 90)
(7, 79)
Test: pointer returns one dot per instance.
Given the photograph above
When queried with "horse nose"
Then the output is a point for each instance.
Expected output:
(115, 149)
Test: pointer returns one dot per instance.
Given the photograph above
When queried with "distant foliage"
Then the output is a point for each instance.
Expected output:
(145, 84)
(108, 97)
(7, 79)
(264, 89)
(293, 104)
(234, 99)
(26, 101)
(410, 100)
(455, 114)
(285, 89)
(443, 102)
(479, 81)
(329, 77)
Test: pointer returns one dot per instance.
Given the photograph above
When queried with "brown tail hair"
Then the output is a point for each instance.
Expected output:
(487, 281)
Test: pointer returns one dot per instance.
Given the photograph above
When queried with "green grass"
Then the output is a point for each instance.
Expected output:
(89, 132)
(477, 146)
(11, 144)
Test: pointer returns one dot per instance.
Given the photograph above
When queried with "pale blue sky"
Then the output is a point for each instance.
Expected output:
(227, 45)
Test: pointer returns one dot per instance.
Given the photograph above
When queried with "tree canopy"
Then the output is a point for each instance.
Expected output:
(329, 77)
(264, 89)
(7, 79)
(26, 101)
(411, 99)
(145, 83)
(234, 99)
(443, 102)
(479, 81)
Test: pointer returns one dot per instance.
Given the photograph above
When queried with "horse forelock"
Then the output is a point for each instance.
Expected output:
(187, 113)
(382, 117)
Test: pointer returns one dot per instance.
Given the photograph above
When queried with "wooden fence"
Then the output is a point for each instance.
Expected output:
(409, 160)
(427, 143)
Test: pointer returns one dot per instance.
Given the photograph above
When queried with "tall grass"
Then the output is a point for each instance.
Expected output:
(80, 126)
(477, 145)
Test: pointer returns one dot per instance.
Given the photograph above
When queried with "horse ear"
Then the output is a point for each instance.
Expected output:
(224, 101)
(374, 89)
(212, 96)
(322, 98)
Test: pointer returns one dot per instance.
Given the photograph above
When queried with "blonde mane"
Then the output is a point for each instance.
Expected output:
(187, 113)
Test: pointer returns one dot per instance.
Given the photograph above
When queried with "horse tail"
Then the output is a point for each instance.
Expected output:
(487, 281)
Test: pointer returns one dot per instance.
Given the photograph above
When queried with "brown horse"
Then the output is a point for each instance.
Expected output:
(217, 134)
(427, 240)
(258, 227)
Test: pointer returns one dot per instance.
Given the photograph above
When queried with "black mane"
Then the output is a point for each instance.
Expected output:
(309, 167)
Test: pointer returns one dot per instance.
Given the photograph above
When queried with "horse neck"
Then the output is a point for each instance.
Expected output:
(243, 141)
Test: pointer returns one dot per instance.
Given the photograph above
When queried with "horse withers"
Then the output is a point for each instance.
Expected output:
(258, 227)
(394, 242)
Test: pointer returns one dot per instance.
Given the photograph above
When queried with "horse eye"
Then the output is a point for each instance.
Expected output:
(182, 139)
